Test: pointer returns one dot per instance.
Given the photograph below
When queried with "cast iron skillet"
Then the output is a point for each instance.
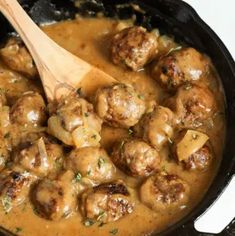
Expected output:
(176, 18)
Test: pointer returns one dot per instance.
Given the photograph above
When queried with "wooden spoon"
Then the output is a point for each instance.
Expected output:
(61, 72)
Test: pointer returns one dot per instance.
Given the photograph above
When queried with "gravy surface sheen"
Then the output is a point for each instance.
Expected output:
(89, 39)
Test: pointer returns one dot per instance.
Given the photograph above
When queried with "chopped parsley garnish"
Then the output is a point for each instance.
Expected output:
(86, 114)
(130, 132)
(18, 230)
(79, 91)
(100, 216)
(6, 203)
(88, 173)
(88, 222)
(7, 135)
(78, 177)
(140, 96)
(94, 136)
(113, 231)
(101, 162)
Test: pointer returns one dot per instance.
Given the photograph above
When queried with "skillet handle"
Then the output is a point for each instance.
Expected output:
(220, 213)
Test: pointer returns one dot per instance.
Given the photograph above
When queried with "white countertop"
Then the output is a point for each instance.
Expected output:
(220, 16)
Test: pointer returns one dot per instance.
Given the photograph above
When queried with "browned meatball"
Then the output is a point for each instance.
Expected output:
(107, 202)
(16, 56)
(164, 191)
(192, 105)
(54, 199)
(14, 187)
(29, 110)
(133, 47)
(120, 105)
(180, 67)
(157, 127)
(75, 122)
(91, 163)
(40, 157)
(136, 157)
(200, 159)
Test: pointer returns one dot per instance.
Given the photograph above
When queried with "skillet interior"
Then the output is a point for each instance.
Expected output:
(175, 18)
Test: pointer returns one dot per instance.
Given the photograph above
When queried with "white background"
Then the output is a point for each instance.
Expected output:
(220, 16)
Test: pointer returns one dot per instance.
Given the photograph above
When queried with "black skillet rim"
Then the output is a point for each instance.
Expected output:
(185, 226)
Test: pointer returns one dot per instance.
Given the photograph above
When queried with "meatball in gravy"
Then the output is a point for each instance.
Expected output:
(133, 47)
(107, 202)
(120, 105)
(136, 157)
(164, 191)
(179, 67)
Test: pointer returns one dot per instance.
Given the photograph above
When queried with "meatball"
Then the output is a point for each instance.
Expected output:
(107, 202)
(54, 199)
(133, 47)
(29, 110)
(180, 67)
(92, 163)
(40, 157)
(120, 105)
(14, 187)
(16, 56)
(157, 127)
(192, 105)
(136, 157)
(75, 122)
(201, 154)
(163, 191)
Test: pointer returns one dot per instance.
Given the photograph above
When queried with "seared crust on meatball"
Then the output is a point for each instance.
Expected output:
(164, 191)
(180, 67)
(192, 105)
(54, 199)
(135, 157)
(107, 202)
(92, 163)
(157, 127)
(16, 56)
(120, 105)
(40, 157)
(14, 186)
(29, 110)
(133, 47)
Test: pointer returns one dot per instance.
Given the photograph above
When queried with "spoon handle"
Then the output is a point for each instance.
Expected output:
(55, 65)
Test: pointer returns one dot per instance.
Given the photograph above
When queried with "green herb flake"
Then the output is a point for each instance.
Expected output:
(6, 203)
(101, 162)
(86, 114)
(77, 177)
(94, 136)
(100, 216)
(187, 86)
(88, 173)
(170, 141)
(88, 222)
(7, 135)
(18, 230)
(130, 132)
(113, 231)
(140, 96)
(79, 91)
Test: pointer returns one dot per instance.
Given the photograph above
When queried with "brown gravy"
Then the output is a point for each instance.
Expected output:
(89, 39)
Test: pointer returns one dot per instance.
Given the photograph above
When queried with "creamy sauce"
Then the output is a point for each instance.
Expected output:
(89, 39)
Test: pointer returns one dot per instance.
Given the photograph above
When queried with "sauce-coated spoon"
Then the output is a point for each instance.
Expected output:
(61, 72)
